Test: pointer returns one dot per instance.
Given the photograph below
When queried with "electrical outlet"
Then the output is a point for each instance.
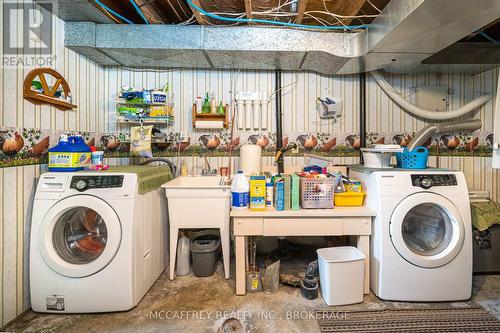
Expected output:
(183, 136)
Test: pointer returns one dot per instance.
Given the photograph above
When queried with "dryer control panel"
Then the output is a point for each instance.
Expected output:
(427, 181)
(83, 183)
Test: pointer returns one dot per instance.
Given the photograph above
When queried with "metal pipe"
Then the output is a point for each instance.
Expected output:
(362, 113)
(425, 133)
(279, 122)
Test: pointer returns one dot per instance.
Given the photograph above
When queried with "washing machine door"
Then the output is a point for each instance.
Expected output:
(427, 230)
(79, 236)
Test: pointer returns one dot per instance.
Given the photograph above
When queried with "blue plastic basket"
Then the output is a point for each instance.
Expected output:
(415, 159)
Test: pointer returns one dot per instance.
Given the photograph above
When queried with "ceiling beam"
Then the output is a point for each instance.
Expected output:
(300, 11)
(248, 9)
(197, 14)
(356, 6)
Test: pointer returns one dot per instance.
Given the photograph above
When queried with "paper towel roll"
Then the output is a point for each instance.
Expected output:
(250, 159)
(208, 124)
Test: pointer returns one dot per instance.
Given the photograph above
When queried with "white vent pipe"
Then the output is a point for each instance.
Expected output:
(427, 114)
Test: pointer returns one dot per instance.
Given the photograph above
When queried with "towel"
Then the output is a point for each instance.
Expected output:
(150, 177)
(485, 214)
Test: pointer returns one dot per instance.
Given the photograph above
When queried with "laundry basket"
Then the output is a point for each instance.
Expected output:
(317, 192)
(415, 159)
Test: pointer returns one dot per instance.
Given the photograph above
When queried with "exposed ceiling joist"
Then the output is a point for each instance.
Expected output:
(356, 6)
(248, 8)
(197, 14)
(300, 11)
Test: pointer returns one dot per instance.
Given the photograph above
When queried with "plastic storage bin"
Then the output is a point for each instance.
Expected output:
(349, 199)
(317, 192)
(415, 159)
(205, 253)
(341, 274)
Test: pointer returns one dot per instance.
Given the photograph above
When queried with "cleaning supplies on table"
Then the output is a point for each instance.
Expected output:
(295, 192)
(279, 193)
(269, 192)
(257, 193)
(240, 191)
(70, 154)
(348, 191)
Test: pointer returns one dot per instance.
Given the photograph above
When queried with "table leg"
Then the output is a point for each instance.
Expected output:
(364, 246)
(240, 264)
(174, 234)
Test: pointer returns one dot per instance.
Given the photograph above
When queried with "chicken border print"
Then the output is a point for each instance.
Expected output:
(25, 146)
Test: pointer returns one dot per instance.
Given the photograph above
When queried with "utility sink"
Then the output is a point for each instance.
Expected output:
(198, 202)
(197, 182)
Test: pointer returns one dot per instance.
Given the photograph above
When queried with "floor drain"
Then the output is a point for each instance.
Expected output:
(232, 325)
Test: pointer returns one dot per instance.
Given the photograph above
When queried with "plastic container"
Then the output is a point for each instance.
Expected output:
(205, 253)
(240, 191)
(341, 274)
(97, 157)
(376, 160)
(349, 199)
(317, 192)
(183, 250)
(251, 159)
(415, 159)
(69, 155)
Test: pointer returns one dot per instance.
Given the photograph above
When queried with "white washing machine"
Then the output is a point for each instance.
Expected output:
(421, 244)
(96, 244)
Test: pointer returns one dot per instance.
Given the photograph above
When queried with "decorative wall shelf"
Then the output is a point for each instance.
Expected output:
(211, 116)
(47, 94)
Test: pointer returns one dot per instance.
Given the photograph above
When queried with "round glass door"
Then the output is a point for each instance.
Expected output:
(427, 230)
(79, 236)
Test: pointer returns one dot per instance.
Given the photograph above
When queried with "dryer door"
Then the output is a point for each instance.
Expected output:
(79, 236)
(427, 230)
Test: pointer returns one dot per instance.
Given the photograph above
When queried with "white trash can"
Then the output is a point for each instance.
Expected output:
(341, 274)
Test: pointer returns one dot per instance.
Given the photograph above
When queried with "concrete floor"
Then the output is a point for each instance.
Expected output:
(190, 304)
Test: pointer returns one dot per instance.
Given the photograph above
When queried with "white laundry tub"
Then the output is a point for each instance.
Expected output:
(198, 202)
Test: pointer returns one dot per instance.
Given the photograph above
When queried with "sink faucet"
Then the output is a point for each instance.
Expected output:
(207, 164)
(208, 170)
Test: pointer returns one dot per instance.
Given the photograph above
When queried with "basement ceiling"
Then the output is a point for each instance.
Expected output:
(397, 35)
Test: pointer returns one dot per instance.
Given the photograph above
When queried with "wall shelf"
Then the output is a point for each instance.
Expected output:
(47, 94)
(211, 116)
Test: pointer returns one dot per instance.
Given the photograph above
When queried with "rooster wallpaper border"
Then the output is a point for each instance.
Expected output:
(27, 146)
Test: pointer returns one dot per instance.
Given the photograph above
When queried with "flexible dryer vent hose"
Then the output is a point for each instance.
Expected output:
(427, 114)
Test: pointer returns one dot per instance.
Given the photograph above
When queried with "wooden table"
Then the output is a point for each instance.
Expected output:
(339, 221)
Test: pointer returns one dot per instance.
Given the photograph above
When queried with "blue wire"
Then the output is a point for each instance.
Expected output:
(488, 37)
(113, 12)
(139, 11)
(294, 25)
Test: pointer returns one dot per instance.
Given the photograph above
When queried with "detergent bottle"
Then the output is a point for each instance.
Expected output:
(240, 191)
(70, 154)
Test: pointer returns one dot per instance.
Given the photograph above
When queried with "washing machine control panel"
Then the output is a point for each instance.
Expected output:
(83, 183)
(427, 181)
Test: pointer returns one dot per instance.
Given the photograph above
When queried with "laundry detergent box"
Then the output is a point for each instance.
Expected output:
(295, 195)
(257, 193)
(279, 193)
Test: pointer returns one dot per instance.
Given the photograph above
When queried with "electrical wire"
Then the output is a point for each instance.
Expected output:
(293, 25)
(375, 7)
(488, 37)
(111, 11)
(139, 11)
